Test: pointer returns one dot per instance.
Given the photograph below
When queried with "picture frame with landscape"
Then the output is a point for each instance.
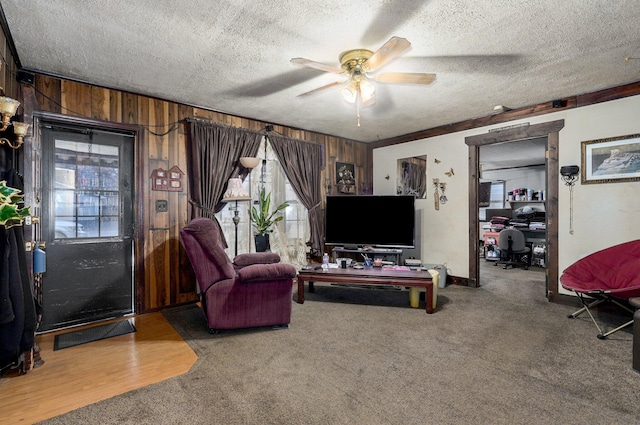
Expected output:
(611, 160)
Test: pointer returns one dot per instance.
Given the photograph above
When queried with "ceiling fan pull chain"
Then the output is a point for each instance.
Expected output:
(358, 104)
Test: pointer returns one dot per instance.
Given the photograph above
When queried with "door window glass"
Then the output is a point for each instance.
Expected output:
(87, 200)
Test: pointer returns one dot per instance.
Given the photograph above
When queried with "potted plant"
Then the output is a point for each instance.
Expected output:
(263, 220)
(10, 212)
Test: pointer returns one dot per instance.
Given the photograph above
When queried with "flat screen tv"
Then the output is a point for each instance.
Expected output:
(379, 221)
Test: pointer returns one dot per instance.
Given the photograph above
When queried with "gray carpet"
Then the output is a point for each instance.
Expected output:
(499, 354)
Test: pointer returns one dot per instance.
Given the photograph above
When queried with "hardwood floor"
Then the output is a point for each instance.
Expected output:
(78, 376)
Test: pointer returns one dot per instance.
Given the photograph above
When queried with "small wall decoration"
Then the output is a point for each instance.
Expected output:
(345, 177)
(170, 180)
(412, 176)
(616, 159)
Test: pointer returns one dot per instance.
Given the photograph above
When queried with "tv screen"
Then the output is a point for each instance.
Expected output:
(381, 221)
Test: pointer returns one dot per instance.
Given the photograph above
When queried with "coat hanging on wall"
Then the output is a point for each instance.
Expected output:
(17, 303)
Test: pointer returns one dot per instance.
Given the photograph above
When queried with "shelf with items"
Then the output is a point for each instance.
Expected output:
(357, 253)
(534, 204)
(514, 203)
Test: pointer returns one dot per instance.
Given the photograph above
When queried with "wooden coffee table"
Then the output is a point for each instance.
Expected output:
(370, 276)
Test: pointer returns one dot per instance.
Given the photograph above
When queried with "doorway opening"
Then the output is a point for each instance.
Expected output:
(513, 178)
(550, 131)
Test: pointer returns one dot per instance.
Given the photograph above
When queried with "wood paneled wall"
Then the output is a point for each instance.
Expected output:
(9, 69)
(165, 277)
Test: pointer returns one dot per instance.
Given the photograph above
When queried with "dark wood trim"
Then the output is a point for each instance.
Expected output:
(571, 102)
(553, 172)
(456, 280)
(549, 130)
(606, 95)
(474, 216)
(517, 133)
(139, 207)
(88, 122)
(31, 150)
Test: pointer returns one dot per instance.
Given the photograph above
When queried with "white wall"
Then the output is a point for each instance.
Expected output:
(527, 177)
(603, 214)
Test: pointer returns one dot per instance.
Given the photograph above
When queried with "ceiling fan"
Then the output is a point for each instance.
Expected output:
(360, 66)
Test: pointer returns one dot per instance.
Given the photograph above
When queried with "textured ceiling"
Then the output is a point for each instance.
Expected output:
(233, 56)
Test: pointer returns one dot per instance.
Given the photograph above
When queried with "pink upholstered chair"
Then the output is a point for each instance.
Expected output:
(254, 290)
(606, 276)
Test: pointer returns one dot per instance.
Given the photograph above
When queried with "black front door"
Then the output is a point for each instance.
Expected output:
(87, 226)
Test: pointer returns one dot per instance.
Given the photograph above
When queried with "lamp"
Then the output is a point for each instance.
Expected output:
(361, 89)
(8, 108)
(235, 192)
(20, 130)
(358, 90)
(569, 175)
(249, 162)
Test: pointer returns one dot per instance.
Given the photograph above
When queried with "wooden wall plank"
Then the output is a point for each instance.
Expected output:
(100, 104)
(158, 120)
(158, 263)
(129, 108)
(76, 99)
(115, 106)
(184, 112)
(49, 94)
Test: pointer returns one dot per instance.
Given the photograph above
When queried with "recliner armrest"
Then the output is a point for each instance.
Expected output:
(247, 259)
(266, 272)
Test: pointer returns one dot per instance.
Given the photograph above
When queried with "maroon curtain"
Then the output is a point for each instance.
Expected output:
(301, 162)
(213, 153)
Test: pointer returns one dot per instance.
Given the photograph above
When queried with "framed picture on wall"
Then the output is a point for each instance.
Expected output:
(346, 178)
(345, 173)
(615, 159)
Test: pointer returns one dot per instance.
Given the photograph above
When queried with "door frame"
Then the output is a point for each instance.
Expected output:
(40, 118)
(550, 130)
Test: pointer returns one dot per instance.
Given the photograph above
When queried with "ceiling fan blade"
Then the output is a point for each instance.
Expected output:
(389, 51)
(316, 65)
(405, 78)
(323, 88)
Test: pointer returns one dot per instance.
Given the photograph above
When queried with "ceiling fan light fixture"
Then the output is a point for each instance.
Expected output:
(367, 91)
(363, 89)
(356, 64)
(349, 92)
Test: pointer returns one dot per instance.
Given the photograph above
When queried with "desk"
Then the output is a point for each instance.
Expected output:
(372, 276)
(536, 240)
(534, 236)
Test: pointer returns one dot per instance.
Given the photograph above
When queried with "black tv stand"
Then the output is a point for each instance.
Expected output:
(379, 252)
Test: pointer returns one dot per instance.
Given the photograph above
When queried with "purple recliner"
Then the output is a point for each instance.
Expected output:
(255, 290)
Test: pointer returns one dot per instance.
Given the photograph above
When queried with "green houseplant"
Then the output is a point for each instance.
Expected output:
(10, 212)
(263, 220)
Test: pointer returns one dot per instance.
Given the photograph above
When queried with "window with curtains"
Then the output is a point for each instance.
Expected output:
(291, 234)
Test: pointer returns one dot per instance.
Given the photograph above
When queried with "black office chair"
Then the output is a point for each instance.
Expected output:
(514, 251)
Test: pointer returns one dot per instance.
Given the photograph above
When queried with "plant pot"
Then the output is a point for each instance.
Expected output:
(262, 242)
